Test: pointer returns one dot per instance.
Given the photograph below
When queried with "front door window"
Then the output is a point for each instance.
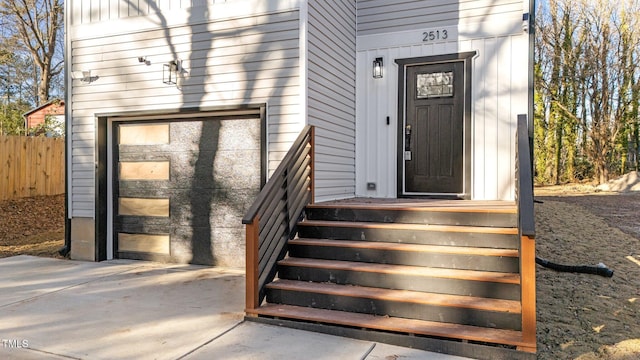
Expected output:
(438, 84)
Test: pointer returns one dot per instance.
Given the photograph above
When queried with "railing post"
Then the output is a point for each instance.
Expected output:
(312, 164)
(526, 226)
(528, 288)
(253, 239)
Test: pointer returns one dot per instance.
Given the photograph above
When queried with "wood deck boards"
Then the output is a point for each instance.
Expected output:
(401, 325)
(425, 267)
(404, 296)
(416, 227)
(508, 207)
(418, 248)
(472, 275)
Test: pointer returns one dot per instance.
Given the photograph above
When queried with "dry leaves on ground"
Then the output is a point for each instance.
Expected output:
(32, 226)
(584, 316)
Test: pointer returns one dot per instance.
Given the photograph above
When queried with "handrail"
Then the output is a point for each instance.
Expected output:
(524, 179)
(271, 220)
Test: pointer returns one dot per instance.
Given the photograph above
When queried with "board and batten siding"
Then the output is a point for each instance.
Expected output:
(498, 94)
(331, 65)
(249, 59)
(384, 16)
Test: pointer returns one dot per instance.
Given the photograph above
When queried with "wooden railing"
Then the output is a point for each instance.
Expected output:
(527, 232)
(271, 220)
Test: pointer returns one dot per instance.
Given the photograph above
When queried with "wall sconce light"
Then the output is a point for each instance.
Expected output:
(143, 60)
(170, 72)
(377, 68)
(84, 76)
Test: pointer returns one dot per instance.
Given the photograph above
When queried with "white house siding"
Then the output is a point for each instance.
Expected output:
(499, 85)
(93, 11)
(384, 16)
(331, 64)
(233, 53)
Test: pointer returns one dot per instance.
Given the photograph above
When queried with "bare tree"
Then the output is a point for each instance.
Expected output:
(588, 89)
(36, 26)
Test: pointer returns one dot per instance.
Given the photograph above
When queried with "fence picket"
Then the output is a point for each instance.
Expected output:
(31, 166)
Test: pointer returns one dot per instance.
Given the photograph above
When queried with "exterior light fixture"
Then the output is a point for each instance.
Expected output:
(144, 60)
(170, 72)
(377, 68)
(84, 76)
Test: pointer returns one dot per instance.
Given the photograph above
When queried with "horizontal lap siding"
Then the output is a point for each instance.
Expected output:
(248, 60)
(91, 11)
(331, 95)
(381, 16)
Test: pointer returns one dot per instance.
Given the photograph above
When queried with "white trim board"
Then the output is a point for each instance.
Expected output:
(457, 33)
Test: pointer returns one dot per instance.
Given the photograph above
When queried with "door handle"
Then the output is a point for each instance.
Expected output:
(407, 138)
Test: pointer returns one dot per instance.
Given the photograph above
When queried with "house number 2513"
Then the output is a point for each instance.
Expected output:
(435, 35)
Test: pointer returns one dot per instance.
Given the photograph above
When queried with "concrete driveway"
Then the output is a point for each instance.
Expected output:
(61, 309)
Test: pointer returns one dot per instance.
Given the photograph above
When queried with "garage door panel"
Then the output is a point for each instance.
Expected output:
(240, 135)
(196, 136)
(153, 243)
(144, 170)
(133, 151)
(244, 163)
(144, 134)
(146, 256)
(213, 177)
(224, 170)
(227, 207)
(146, 188)
(219, 245)
(143, 226)
(156, 222)
(231, 134)
(141, 206)
(145, 154)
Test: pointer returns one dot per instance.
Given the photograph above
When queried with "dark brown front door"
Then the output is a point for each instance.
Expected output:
(434, 129)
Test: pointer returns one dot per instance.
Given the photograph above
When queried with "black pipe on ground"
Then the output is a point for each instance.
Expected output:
(599, 269)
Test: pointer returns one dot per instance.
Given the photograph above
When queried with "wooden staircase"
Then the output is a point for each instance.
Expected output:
(443, 269)
(454, 276)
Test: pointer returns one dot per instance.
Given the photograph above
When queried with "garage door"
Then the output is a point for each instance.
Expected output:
(181, 188)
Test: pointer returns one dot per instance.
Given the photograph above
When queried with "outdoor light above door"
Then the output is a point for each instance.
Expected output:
(377, 68)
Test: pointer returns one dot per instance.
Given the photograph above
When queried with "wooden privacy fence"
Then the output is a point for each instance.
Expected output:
(31, 166)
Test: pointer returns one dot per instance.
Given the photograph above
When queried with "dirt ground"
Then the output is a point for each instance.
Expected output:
(583, 316)
(32, 226)
(580, 316)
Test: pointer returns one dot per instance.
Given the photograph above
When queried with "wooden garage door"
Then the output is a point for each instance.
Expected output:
(182, 187)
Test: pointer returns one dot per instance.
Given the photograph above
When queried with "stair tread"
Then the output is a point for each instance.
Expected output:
(419, 227)
(424, 206)
(406, 296)
(376, 245)
(473, 275)
(419, 327)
